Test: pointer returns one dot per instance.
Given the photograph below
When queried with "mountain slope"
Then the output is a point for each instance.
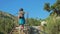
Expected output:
(7, 22)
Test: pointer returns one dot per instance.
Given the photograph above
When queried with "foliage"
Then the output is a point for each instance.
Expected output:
(52, 25)
(53, 21)
(55, 7)
(33, 22)
(6, 22)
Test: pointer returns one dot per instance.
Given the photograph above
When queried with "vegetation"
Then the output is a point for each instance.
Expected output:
(52, 25)
(34, 22)
(55, 7)
(53, 21)
(7, 22)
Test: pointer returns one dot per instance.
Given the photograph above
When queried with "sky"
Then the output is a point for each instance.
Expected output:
(33, 7)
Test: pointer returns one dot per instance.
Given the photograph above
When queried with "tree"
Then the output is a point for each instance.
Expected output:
(55, 7)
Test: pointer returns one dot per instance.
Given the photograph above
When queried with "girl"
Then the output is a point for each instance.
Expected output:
(21, 18)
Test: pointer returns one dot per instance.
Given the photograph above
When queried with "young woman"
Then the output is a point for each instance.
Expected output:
(21, 18)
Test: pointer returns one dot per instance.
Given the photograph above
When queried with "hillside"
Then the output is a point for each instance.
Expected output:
(7, 22)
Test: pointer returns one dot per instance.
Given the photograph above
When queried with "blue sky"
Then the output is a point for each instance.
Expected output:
(33, 7)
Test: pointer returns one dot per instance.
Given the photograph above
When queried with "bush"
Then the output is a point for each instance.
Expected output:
(52, 25)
